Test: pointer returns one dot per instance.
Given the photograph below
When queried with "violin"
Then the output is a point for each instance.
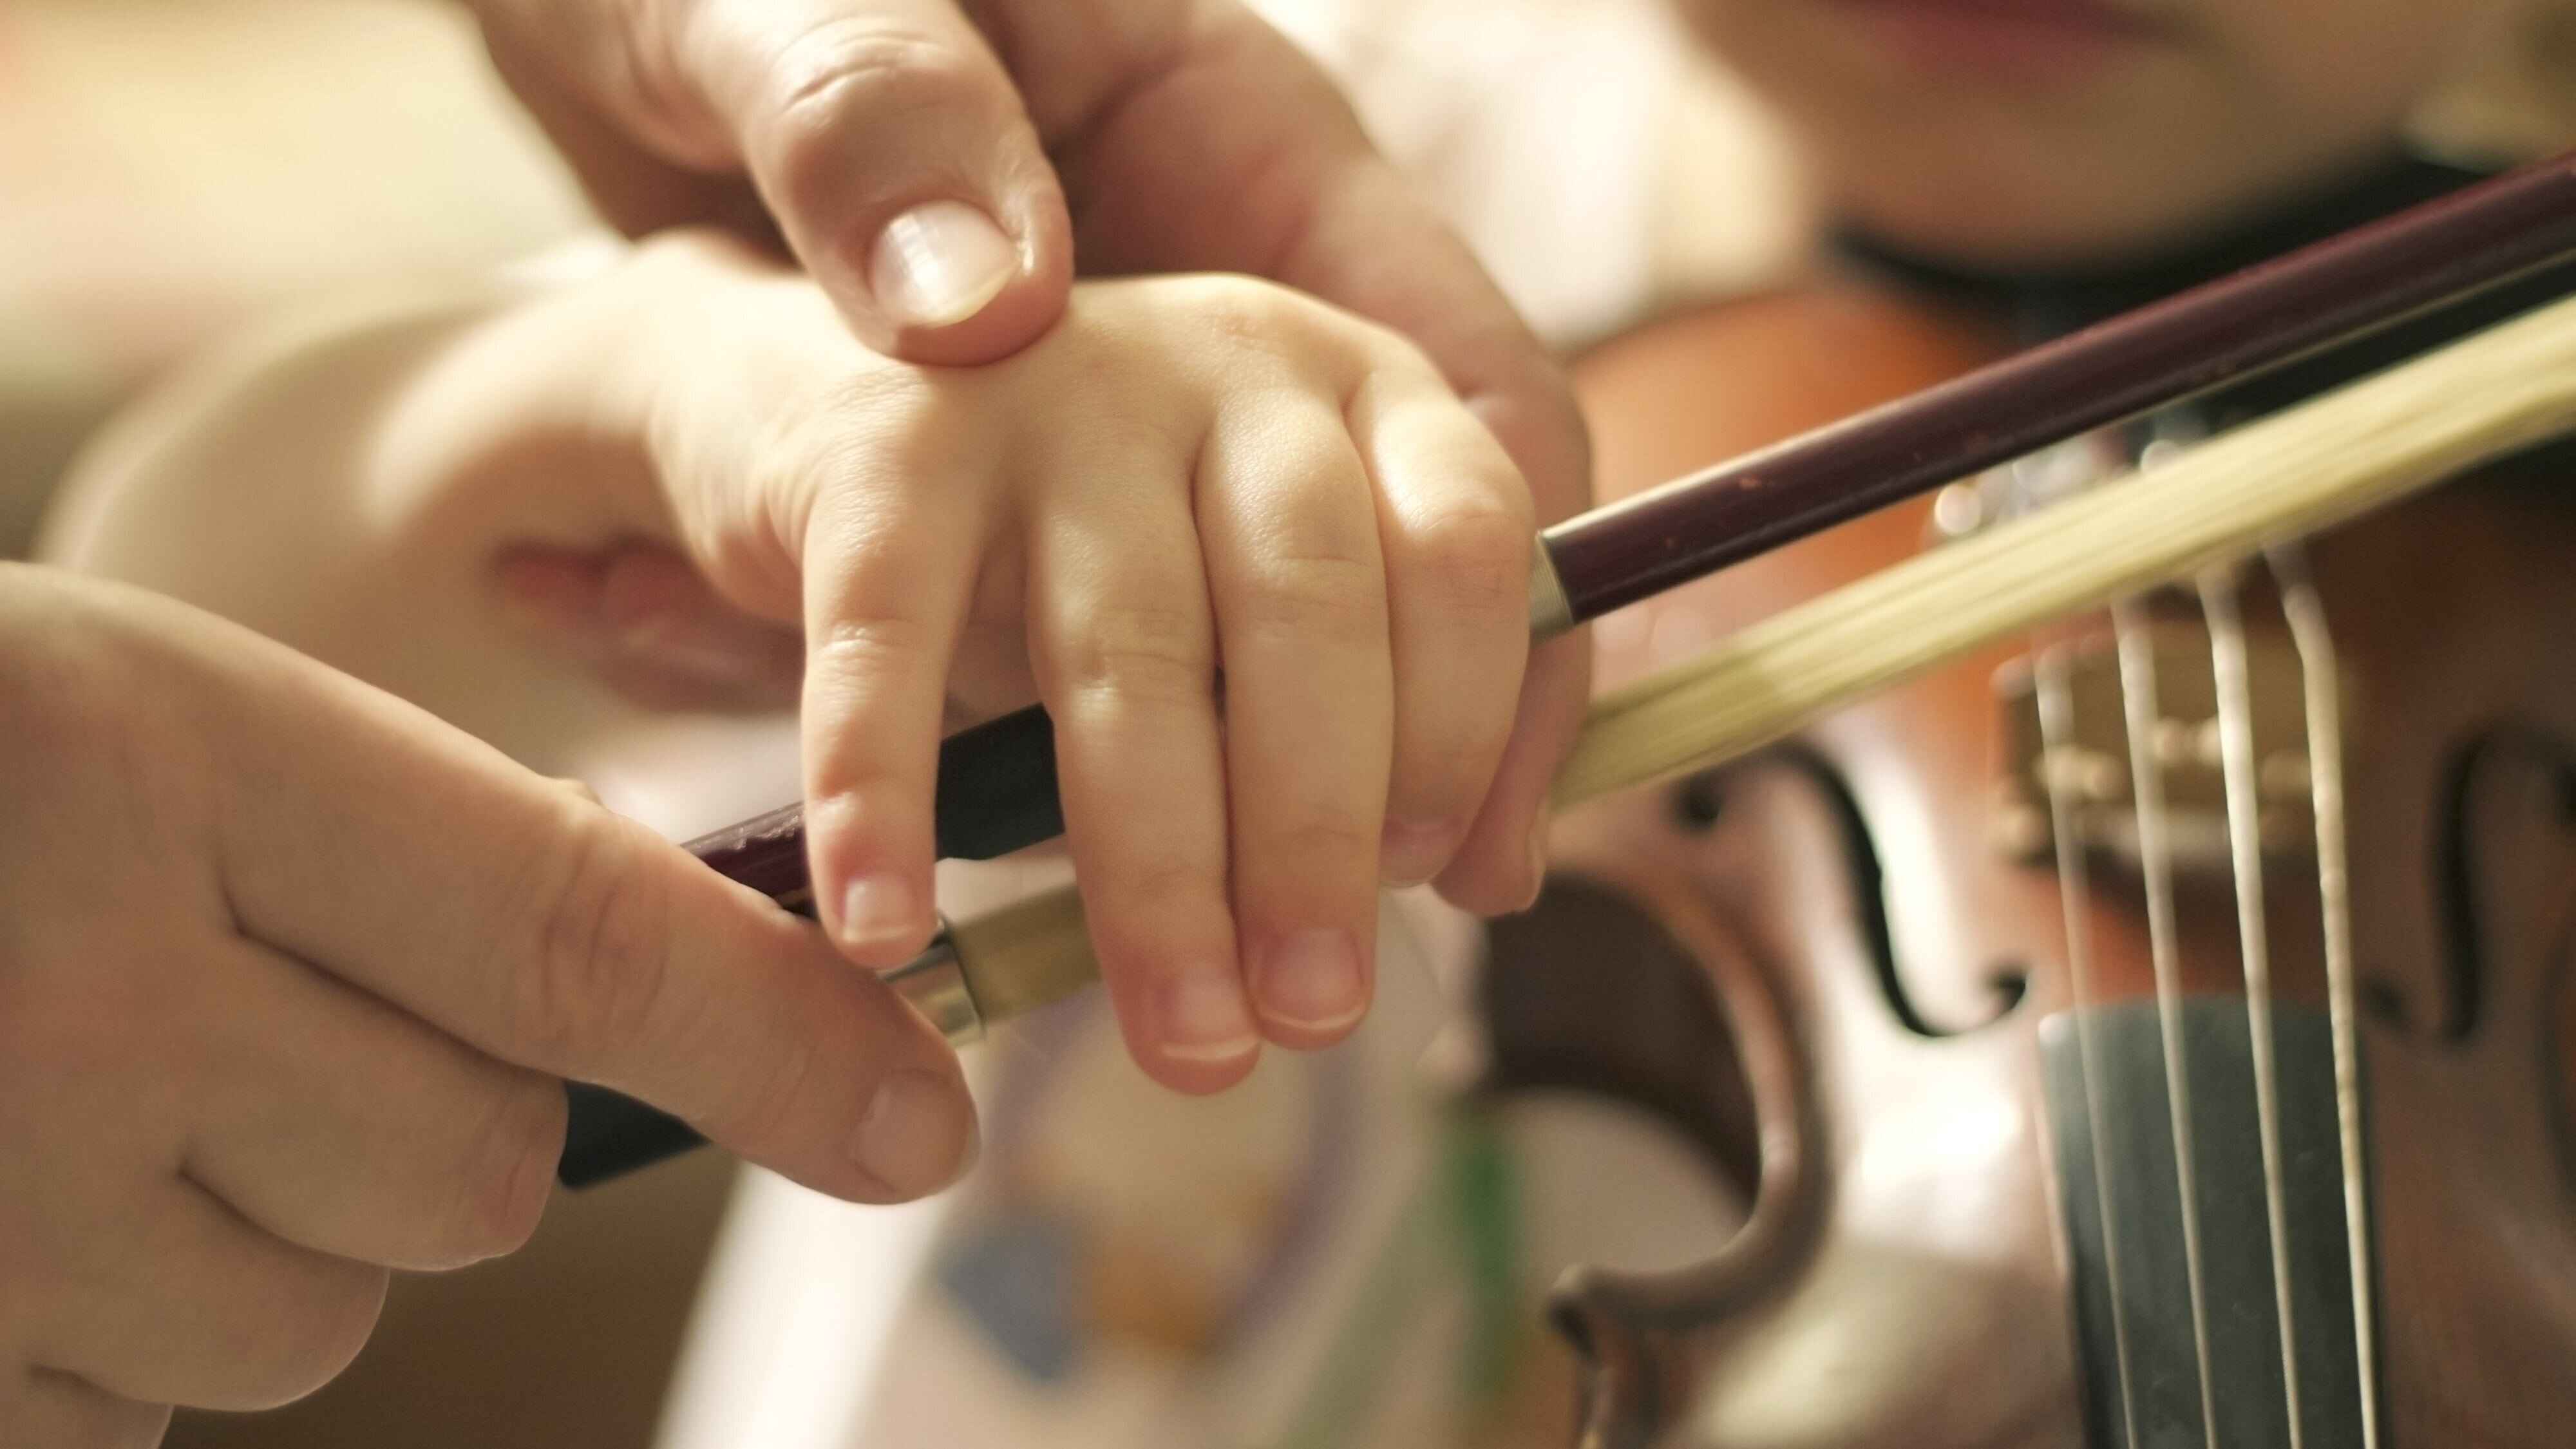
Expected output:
(2132, 1026)
(2159, 1029)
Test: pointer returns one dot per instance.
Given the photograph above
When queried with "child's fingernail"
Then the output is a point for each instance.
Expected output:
(1202, 1016)
(1311, 980)
(919, 1134)
(1411, 854)
(940, 263)
(877, 907)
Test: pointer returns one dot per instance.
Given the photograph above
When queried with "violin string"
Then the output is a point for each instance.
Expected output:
(2219, 608)
(2055, 697)
(2136, 646)
(2319, 674)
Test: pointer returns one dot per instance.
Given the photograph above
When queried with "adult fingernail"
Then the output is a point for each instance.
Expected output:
(919, 1134)
(940, 263)
(1203, 1019)
(877, 907)
(1411, 854)
(1311, 980)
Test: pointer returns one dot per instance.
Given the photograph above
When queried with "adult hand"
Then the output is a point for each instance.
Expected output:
(918, 158)
(288, 971)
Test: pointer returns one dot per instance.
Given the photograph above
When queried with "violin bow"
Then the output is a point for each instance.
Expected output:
(2289, 474)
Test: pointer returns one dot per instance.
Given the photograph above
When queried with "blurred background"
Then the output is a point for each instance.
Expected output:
(169, 168)
(172, 168)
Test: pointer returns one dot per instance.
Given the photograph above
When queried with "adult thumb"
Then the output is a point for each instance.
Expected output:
(414, 863)
(896, 154)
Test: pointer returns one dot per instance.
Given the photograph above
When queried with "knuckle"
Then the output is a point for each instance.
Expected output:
(1445, 774)
(1320, 843)
(870, 422)
(638, 51)
(822, 472)
(1317, 598)
(313, 1332)
(775, 1109)
(1250, 306)
(863, 683)
(1153, 901)
(601, 930)
(1393, 351)
(502, 1193)
(1474, 558)
(1443, 794)
(1163, 886)
(869, 641)
(1253, 318)
(1158, 655)
(851, 80)
(853, 653)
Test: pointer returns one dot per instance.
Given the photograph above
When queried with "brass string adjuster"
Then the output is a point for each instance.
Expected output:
(934, 984)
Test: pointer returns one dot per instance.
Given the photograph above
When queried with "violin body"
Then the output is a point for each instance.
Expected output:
(1897, 981)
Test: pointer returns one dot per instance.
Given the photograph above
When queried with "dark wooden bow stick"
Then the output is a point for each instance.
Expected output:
(997, 783)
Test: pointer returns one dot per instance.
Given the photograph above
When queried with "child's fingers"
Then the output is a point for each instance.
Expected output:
(1457, 533)
(888, 577)
(1126, 654)
(1299, 584)
(1504, 861)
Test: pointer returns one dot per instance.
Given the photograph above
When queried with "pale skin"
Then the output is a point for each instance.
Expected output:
(684, 116)
(857, 130)
(1187, 477)
(331, 1046)
(844, 123)
(286, 983)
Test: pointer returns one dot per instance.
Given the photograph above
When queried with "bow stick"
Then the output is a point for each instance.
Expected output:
(2288, 475)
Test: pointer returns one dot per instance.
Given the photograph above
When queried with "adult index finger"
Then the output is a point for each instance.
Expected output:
(1217, 146)
(361, 835)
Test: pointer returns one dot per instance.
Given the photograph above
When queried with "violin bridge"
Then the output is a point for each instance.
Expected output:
(2091, 767)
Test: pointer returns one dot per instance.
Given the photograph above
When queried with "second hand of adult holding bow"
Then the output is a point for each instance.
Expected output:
(919, 158)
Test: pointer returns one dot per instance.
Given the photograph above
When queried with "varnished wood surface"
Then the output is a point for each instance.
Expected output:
(1920, 1244)
(2186, 344)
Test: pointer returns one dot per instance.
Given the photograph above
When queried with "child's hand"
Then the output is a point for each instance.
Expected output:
(1270, 574)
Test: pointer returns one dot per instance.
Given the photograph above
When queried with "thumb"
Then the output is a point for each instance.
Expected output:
(422, 867)
(884, 137)
(895, 153)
